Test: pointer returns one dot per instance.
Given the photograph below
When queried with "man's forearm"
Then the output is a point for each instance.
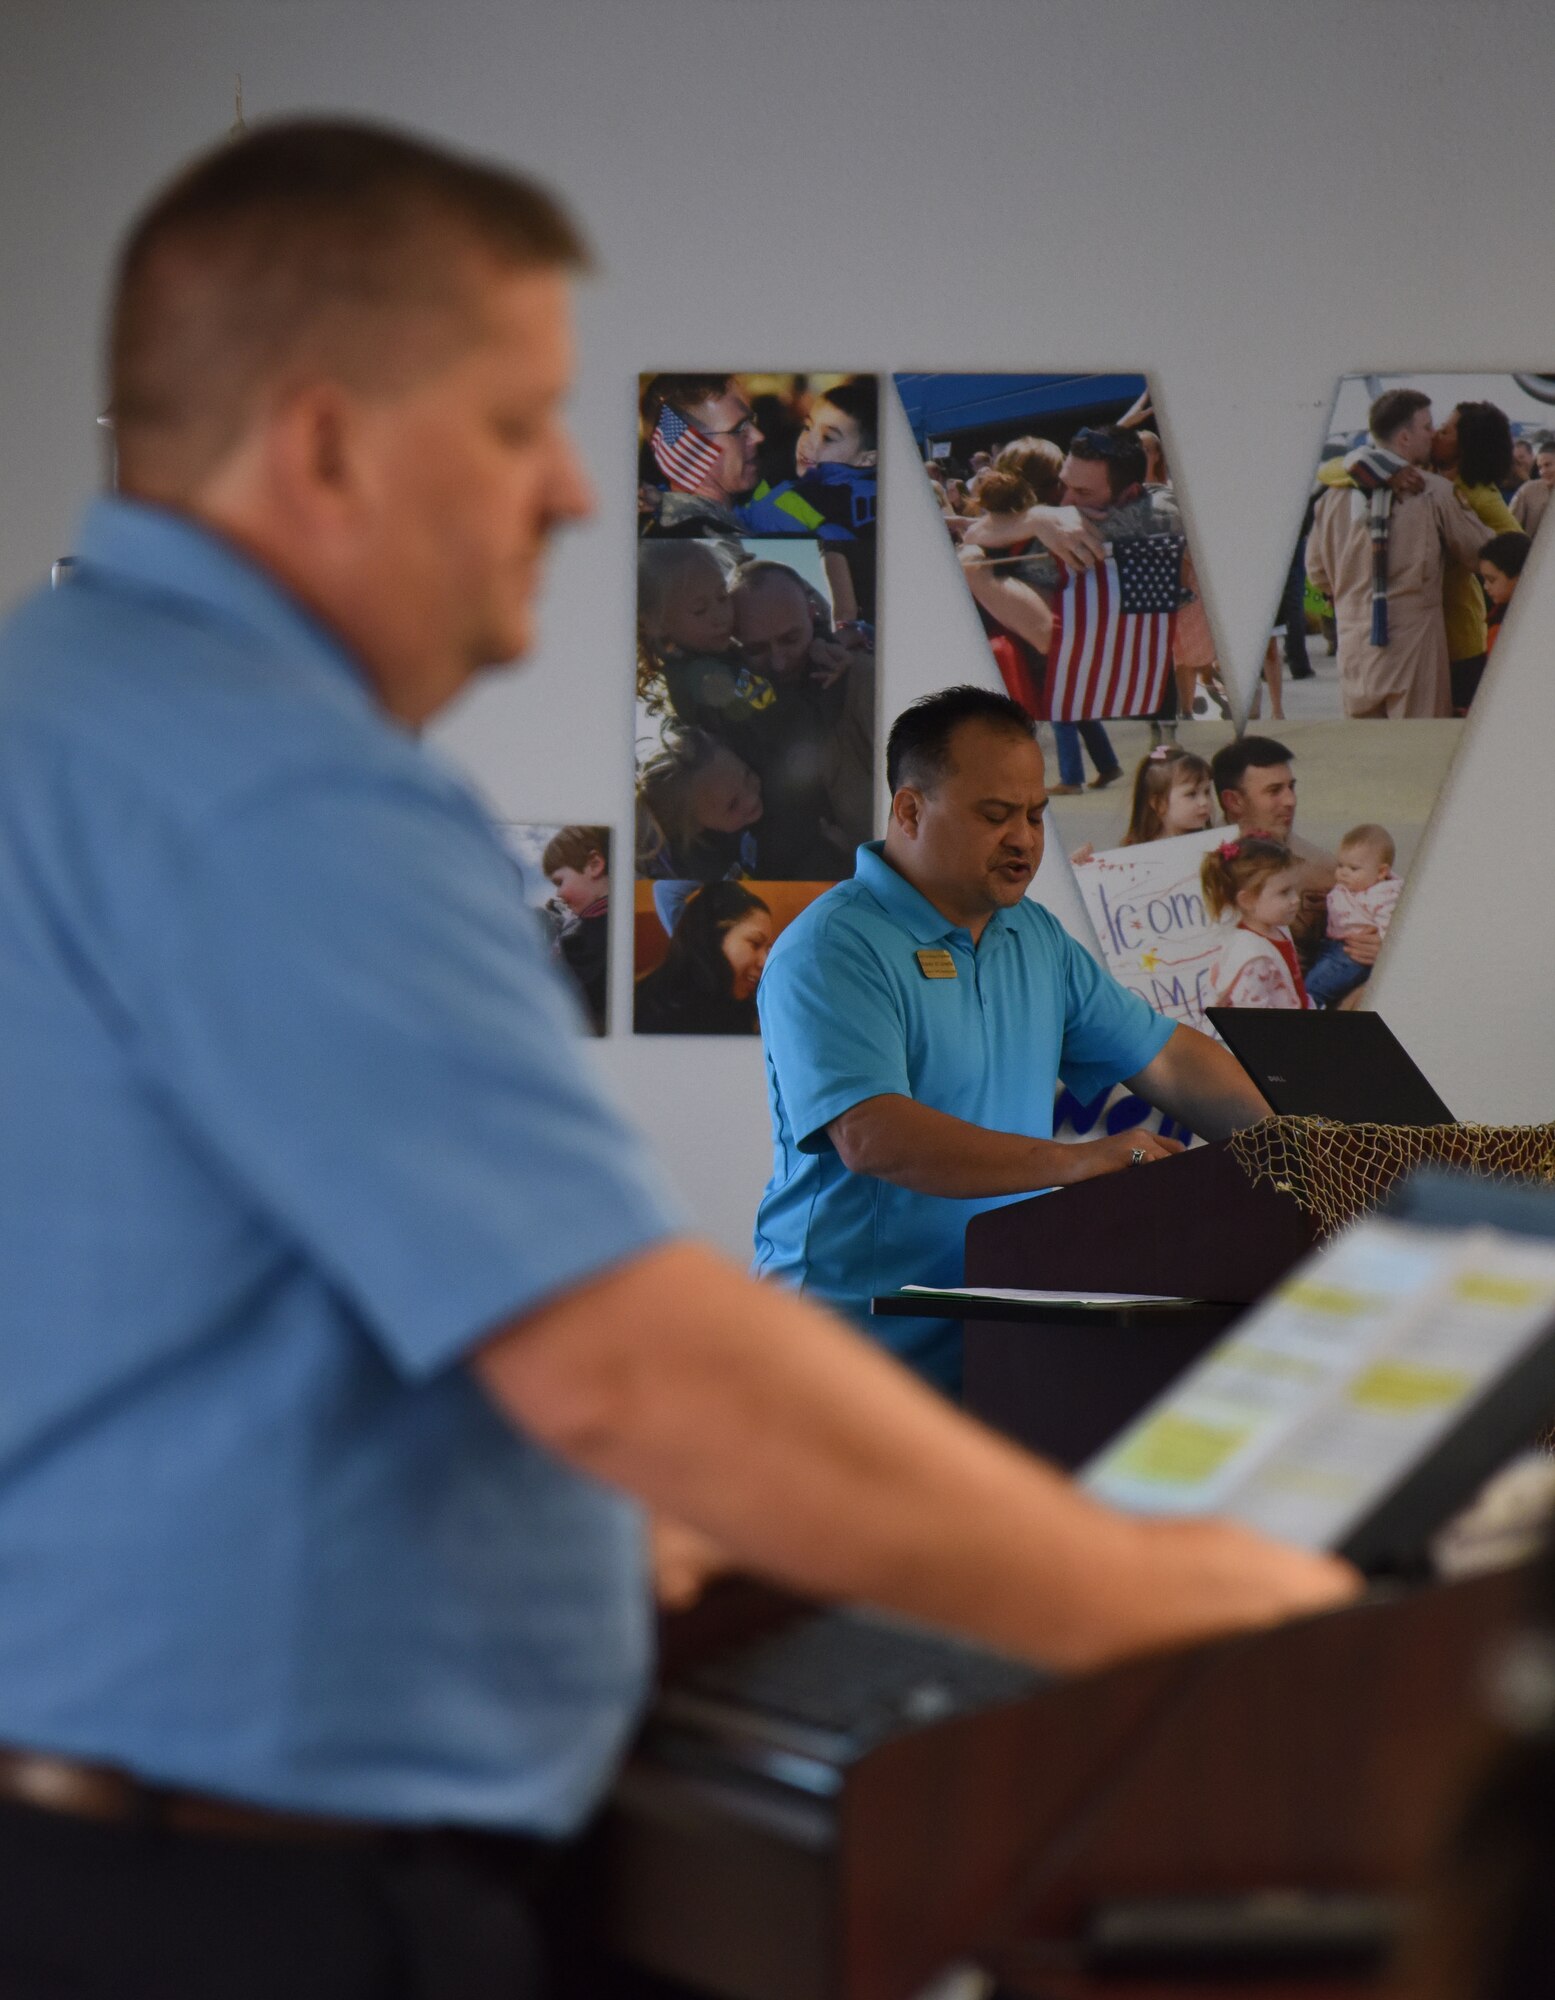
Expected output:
(1198, 1082)
(899, 1140)
(813, 1458)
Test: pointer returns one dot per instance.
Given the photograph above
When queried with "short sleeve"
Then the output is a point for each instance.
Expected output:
(1109, 1033)
(345, 1003)
(833, 1030)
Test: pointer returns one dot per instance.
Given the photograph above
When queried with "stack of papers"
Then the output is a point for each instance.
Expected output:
(1010, 1295)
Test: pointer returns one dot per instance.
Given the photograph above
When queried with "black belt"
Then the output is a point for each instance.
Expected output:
(99, 1792)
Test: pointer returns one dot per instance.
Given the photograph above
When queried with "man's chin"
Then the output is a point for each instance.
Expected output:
(507, 643)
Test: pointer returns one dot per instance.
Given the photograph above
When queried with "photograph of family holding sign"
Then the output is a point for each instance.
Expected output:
(755, 678)
(1421, 517)
(1254, 870)
(1057, 497)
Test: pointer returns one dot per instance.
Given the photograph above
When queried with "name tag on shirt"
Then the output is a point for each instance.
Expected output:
(934, 964)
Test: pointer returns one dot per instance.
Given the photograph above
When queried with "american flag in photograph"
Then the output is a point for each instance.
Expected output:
(1111, 649)
(680, 451)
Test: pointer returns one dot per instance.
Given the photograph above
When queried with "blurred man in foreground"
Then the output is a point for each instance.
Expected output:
(342, 1311)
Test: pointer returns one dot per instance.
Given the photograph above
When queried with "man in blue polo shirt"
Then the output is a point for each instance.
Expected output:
(917, 1019)
(341, 1313)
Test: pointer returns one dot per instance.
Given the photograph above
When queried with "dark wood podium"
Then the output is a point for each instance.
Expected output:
(756, 1861)
(1193, 1226)
(1312, 1768)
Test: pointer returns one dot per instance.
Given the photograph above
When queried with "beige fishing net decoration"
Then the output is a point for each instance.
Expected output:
(1336, 1172)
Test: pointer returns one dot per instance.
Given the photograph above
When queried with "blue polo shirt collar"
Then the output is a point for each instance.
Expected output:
(909, 906)
(155, 551)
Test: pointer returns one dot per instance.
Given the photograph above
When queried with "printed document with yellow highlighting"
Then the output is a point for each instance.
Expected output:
(1326, 1394)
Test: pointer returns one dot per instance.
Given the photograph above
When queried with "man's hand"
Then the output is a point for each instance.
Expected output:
(1408, 479)
(1364, 946)
(828, 662)
(1091, 1158)
(1064, 532)
(1254, 1584)
(684, 1562)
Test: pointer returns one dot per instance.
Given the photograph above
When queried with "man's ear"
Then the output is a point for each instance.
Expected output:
(312, 438)
(907, 809)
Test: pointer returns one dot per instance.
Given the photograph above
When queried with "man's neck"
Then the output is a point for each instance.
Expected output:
(974, 922)
(392, 667)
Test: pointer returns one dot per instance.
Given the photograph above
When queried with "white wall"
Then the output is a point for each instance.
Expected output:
(1246, 197)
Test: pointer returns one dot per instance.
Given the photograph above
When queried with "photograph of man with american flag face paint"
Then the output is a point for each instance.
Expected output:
(1055, 491)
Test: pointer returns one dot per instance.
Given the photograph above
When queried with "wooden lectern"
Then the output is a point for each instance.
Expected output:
(756, 1859)
(1193, 1226)
(1249, 1816)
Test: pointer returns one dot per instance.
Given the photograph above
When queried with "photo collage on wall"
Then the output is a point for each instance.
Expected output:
(565, 876)
(1260, 864)
(756, 675)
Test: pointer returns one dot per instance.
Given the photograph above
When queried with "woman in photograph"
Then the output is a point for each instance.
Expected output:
(1473, 448)
(707, 982)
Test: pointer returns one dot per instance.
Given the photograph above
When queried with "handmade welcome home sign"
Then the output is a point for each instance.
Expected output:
(1156, 936)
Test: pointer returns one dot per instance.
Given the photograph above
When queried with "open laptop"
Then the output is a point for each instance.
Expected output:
(1329, 1064)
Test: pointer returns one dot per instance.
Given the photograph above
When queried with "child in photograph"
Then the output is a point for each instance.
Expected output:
(699, 807)
(707, 982)
(1253, 886)
(832, 495)
(1501, 563)
(576, 862)
(1174, 793)
(840, 429)
(687, 657)
(1363, 898)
